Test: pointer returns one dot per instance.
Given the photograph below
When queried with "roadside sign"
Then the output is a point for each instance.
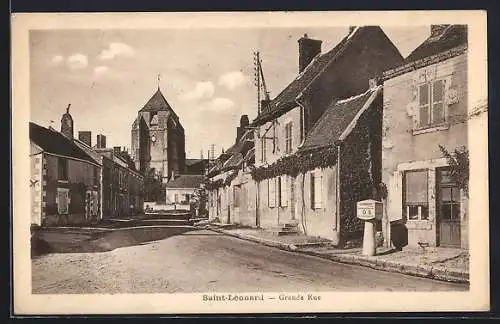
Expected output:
(369, 209)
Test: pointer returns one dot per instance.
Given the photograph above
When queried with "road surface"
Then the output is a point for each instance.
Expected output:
(204, 261)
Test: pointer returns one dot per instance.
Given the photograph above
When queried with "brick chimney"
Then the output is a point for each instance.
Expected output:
(240, 130)
(85, 137)
(101, 141)
(67, 124)
(437, 30)
(308, 49)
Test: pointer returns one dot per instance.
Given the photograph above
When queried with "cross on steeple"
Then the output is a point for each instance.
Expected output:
(67, 108)
(159, 79)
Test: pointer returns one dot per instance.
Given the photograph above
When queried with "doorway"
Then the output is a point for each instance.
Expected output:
(447, 209)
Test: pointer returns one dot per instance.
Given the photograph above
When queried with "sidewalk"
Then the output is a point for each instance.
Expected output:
(444, 264)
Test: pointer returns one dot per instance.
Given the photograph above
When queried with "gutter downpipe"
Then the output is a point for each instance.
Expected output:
(303, 139)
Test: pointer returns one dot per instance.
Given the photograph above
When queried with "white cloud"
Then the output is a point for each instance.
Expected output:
(231, 80)
(203, 90)
(100, 70)
(78, 61)
(220, 104)
(57, 59)
(116, 49)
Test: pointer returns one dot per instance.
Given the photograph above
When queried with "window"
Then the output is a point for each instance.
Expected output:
(449, 197)
(176, 198)
(316, 190)
(415, 196)
(283, 191)
(431, 104)
(288, 137)
(62, 200)
(263, 151)
(62, 169)
(271, 192)
(236, 196)
(95, 175)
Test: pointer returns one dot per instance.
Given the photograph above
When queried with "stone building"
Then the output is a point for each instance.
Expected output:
(425, 106)
(231, 188)
(295, 186)
(65, 180)
(158, 140)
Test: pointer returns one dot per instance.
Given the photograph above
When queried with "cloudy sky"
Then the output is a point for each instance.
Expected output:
(206, 75)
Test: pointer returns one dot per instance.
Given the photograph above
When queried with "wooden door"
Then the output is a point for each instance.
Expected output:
(291, 182)
(448, 210)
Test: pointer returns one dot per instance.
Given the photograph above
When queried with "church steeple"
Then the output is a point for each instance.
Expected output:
(67, 124)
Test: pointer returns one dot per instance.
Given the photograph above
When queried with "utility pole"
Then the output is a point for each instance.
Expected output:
(257, 76)
(260, 82)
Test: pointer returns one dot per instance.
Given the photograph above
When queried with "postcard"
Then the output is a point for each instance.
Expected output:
(250, 162)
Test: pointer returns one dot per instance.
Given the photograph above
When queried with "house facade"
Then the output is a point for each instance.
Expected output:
(123, 186)
(181, 189)
(307, 196)
(425, 107)
(65, 180)
(230, 186)
(316, 188)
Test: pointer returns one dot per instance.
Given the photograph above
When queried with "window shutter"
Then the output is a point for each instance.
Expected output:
(313, 187)
(284, 190)
(62, 201)
(438, 102)
(423, 105)
(318, 191)
(272, 192)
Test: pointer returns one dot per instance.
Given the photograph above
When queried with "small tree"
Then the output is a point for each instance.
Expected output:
(199, 202)
(153, 186)
(459, 164)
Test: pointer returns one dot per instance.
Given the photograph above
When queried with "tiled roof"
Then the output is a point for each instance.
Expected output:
(233, 156)
(185, 181)
(54, 142)
(157, 102)
(88, 150)
(337, 118)
(286, 99)
(234, 161)
(451, 36)
(250, 156)
(194, 161)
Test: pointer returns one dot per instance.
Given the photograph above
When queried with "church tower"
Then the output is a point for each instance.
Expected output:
(158, 139)
(67, 124)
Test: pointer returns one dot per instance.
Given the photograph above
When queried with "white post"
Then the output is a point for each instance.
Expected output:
(369, 238)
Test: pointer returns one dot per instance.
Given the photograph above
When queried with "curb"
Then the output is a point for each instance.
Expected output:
(423, 271)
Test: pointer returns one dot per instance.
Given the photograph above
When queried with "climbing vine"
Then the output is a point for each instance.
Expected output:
(300, 162)
(211, 185)
(459, 165)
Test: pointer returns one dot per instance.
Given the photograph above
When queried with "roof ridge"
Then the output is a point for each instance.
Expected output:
(316, 58)
(344, 42)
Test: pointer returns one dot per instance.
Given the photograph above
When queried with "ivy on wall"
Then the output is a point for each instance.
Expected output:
(300, 162)
(459, 165)
(212, 185)
(357, 175)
